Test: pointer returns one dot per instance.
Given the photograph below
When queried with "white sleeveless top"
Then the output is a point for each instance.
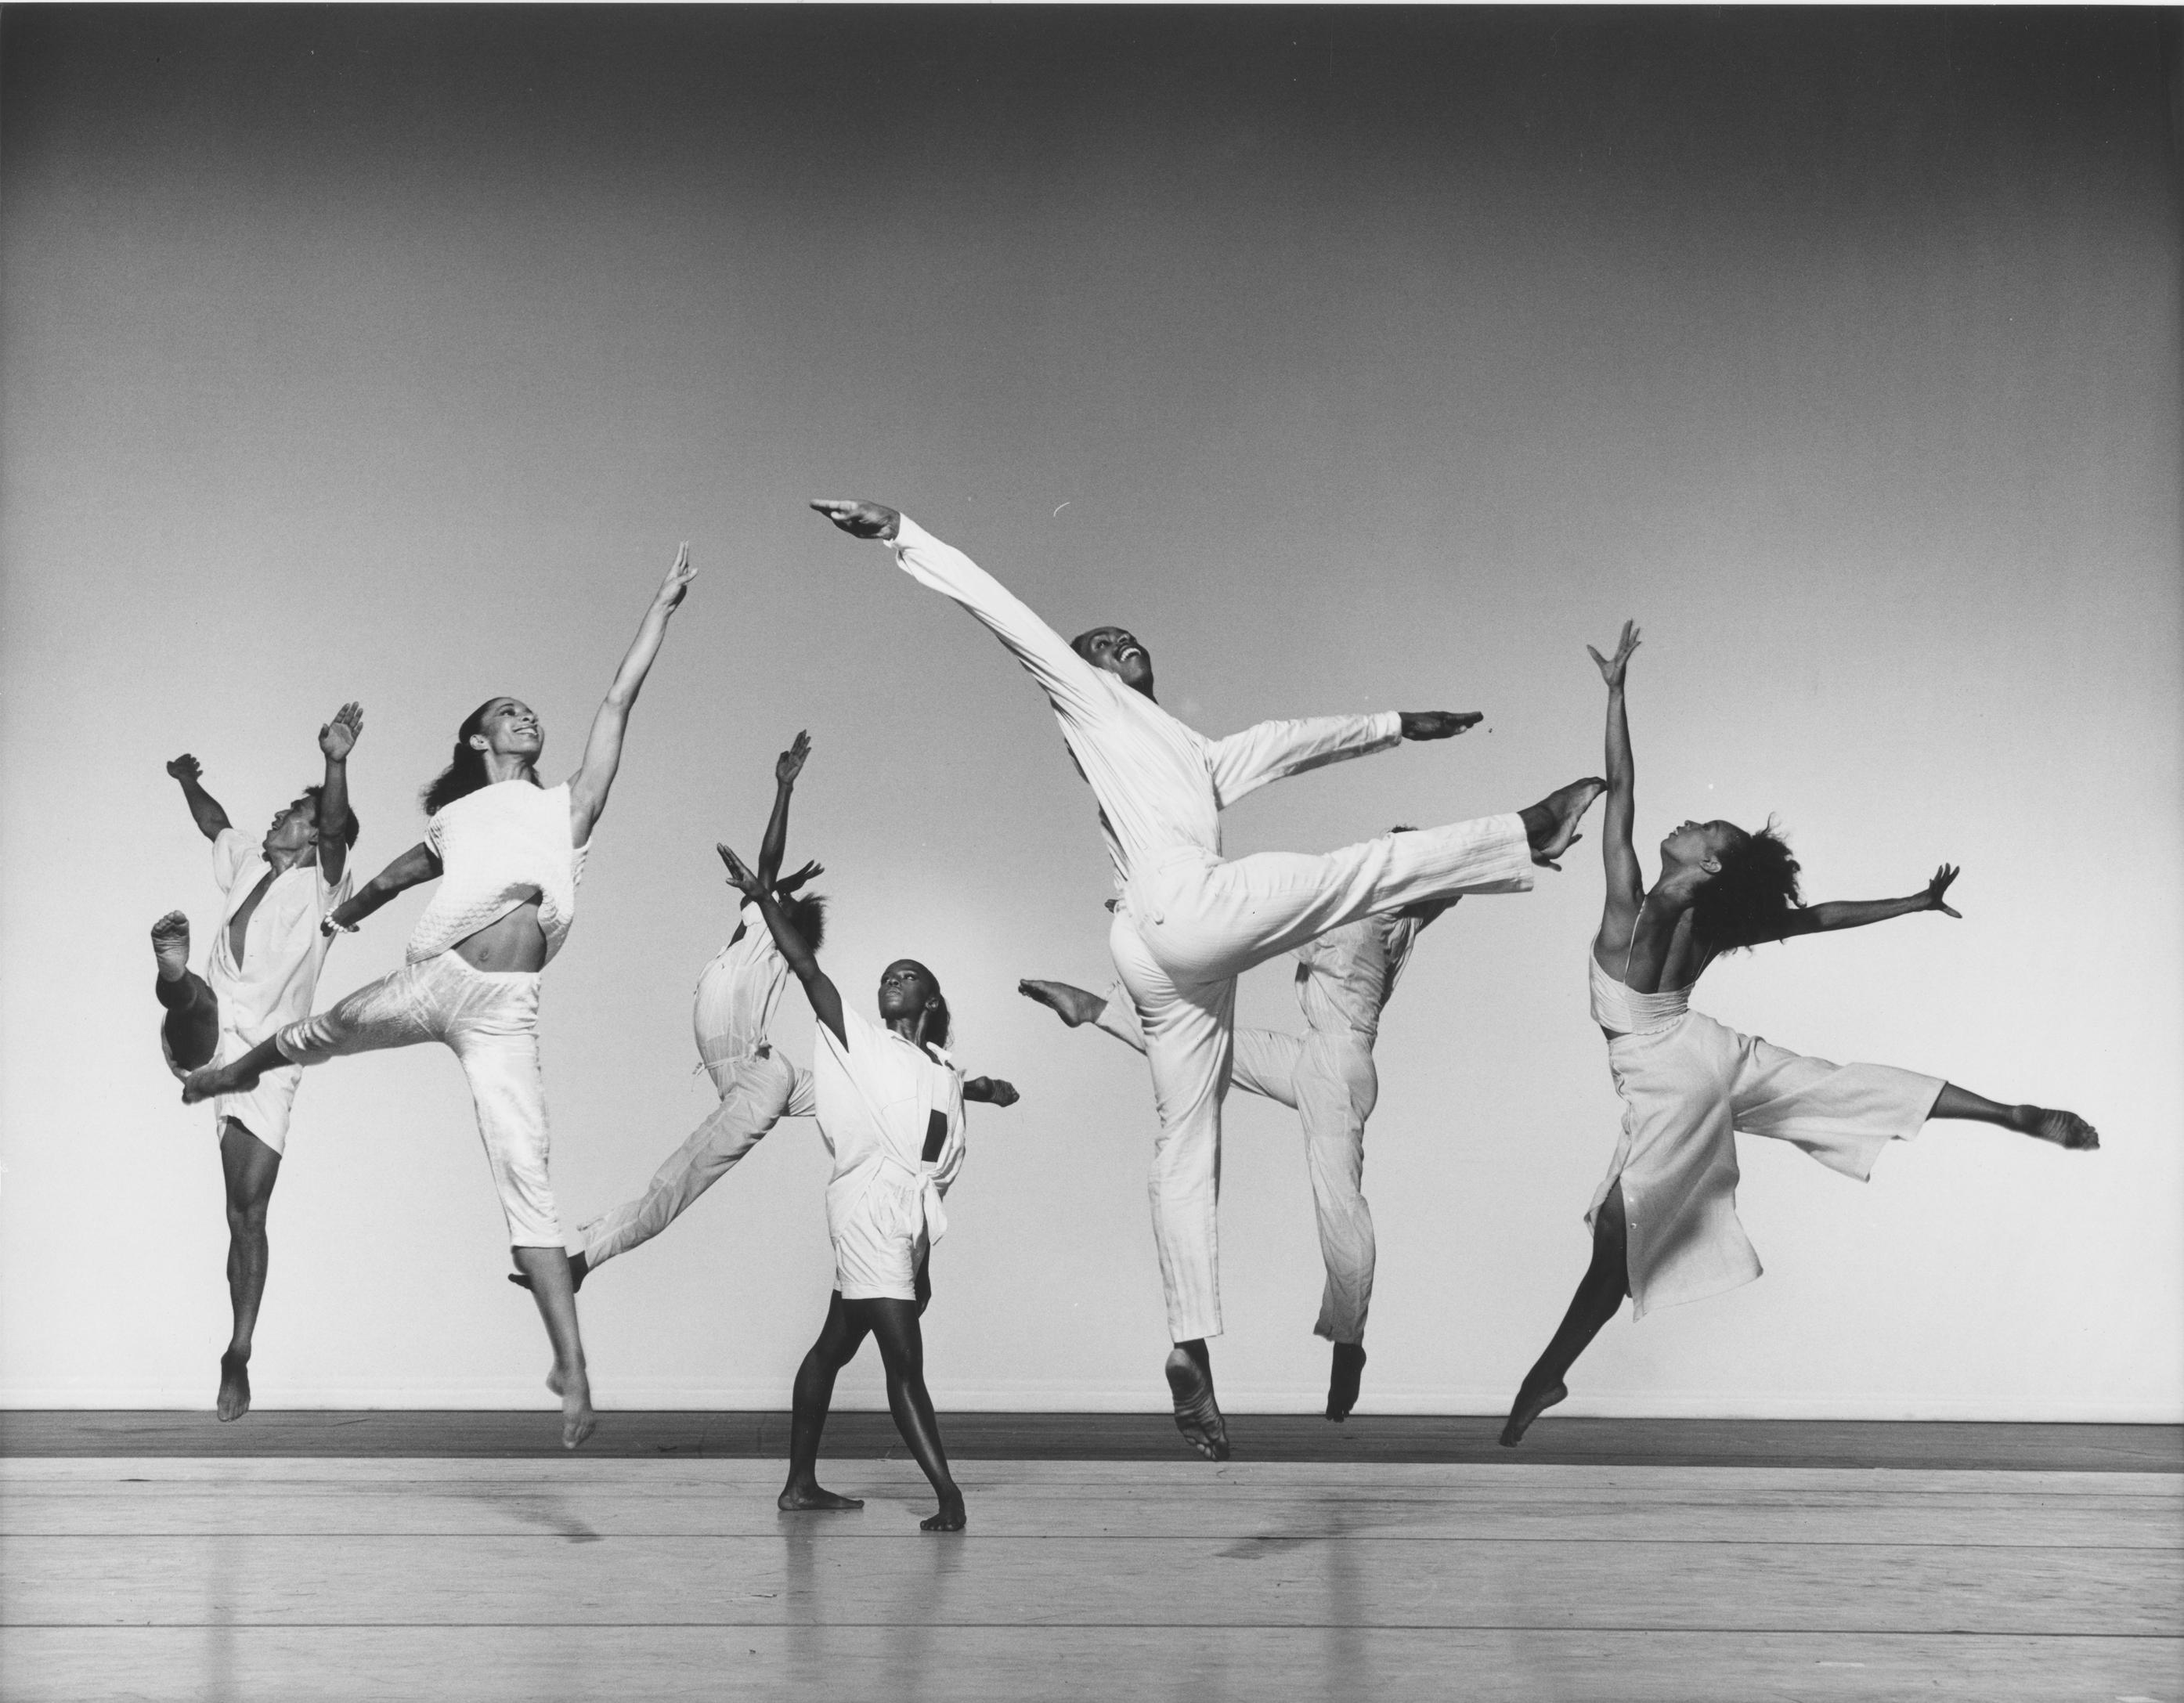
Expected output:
(500, 847)
(1629, 1012)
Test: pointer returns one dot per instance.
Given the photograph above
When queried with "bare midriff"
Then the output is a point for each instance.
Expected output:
(513, 942)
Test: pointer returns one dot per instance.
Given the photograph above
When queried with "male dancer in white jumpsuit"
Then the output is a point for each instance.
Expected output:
(261, 974)
(1187, 923)
(1344, 981)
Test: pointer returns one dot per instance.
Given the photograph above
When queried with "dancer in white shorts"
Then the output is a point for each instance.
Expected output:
(260, 974)
(757, 1084)
(891, 1107)
(1664, 1225)
(1327, 1077)
(1186, 922)
(511, 852)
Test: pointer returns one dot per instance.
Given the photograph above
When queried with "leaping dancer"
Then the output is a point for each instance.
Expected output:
(512, 851)
(1187, 923)
(260, 974)
(1664, 1225)
(1327, 1077)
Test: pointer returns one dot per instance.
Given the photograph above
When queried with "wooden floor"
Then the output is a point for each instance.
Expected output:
(239, 1577)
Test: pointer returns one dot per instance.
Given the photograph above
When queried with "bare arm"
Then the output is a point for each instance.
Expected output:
(420, 863)
(826, 999)
(588, 786)
(786, 768)
(1626, 887)
(991, 1091)
(205, 808)
(336, 740)
(1856, 913)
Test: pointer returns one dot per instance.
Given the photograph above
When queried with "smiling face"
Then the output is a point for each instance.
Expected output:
(294, 829)
(907, 988)
(1699, 845)
(509, 728)
(1117, 650)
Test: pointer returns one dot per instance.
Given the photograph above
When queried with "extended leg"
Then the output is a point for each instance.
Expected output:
(895, 1328)
(2066, 1129)
(839, 1339)
(1599, 1297)
(1336, 1091)
(191, 1026)
(251, 1169)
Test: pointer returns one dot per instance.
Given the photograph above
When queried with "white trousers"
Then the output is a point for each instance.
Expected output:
(1188, 925)
(1331, 1083)
(758, 1092)
(489, 1020)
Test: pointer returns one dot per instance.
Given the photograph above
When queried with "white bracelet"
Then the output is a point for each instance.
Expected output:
(329, 923)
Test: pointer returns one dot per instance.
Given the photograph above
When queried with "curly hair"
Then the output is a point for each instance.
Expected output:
(318, 810)
(807, 915)
(1752, 897)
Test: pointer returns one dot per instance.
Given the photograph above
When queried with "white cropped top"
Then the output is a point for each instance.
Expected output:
(1629, 1012)
(500, 847)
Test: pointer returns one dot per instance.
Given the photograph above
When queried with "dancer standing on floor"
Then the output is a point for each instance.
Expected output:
(260, 974)
(1664, 1225)
(1187, 923)
(891, 1108)
(1344, 981)
(511, 851)
(758, 1086)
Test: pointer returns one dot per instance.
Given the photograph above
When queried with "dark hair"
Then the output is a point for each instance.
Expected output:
(465, 771)
(807, 914)
(937, 1020)
(319, 813)
(1753, 896)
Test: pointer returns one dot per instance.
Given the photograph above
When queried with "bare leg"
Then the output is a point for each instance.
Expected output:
(1073, 1005)
(2066, 1129)
(234, 1078)
(1197, 1414)
(840, 1339)
(191, 1028)
(578, 1266)
(895, 1328)
(1550, 824)
(548, 1268)
(251, 1169)
(1598, 1298)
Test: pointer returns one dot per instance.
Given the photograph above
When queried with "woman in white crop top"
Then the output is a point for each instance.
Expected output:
(508, 852)
(1664, 1224)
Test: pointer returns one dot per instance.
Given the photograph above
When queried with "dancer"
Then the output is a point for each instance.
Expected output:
(891, 1108)
(260, 975)
(758, 1086)
(1186, 923)
(1664, 1225)
(512, 851)
(1344, 981)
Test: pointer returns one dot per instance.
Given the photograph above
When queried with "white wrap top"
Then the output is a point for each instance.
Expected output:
(500, 847)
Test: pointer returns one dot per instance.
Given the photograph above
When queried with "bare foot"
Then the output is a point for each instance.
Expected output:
(234, 1386)
(1073, 1005)
(170, 945)
(1342, 1382)
(579, 1265)
(1530, 1406)
(951, 1518)
(1197, 1415)
(578, 1421)
(860, 519)
(2065, 1129)
(215, 1080)
(1550, 824)
(809, 1499)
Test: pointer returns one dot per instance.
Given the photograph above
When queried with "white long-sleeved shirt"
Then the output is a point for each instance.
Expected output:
(1159, 782)
(1345, 977)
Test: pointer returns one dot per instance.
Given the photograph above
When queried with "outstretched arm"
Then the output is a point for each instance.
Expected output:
(205, 808)
(588, 786)
(786, 768)
(1856, 913)
(420, 863)
(826, 999)
(1244, 762)
(336, 741)
(1626, 887)
(991, 1091)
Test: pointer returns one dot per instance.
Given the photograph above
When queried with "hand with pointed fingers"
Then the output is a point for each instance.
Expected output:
(860, 519)
(1438, 723)
(740, 874)
(679, 575)
(1612, 669)
(796, 878)
(337, 739)
(1938, 887)
(790, 763)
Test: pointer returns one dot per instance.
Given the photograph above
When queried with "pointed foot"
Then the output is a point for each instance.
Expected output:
(234, 1387)
(1530, 1406)
(1343, 1378)
(1197, 1414)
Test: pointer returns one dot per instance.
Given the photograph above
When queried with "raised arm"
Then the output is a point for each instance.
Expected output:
(588, 786)
(1626, 886)
(786, 768)
(826, 999)
(336, 741)
(1856, 913)
(205, 808)
(420, 863)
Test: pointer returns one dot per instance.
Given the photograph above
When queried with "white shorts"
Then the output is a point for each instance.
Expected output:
(264, 1110)
(880, 1243)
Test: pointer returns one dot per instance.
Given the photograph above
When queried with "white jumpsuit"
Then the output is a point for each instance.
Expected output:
(1186, 923)
(1328, 1078)
(757, 1085)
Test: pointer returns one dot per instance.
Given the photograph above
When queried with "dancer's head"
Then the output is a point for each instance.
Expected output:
(499, 726)
(1116, 650)
(909, 992)
(1743, 885)
(295, 826)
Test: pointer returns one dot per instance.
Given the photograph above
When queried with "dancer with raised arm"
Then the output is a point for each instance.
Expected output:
(511, 850)
(1327, 1077)
(1187, 923)
(891, 1108)
(758, 1086)
(260, 974)
(1664, 1225)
